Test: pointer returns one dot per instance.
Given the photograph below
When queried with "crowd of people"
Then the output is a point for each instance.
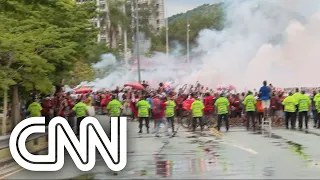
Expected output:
(164, 106)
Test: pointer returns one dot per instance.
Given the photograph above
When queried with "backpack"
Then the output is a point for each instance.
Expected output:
(156, 106)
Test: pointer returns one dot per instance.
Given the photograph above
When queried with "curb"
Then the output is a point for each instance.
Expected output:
(8, 165)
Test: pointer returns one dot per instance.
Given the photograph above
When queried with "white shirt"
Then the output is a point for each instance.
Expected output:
(120, 96)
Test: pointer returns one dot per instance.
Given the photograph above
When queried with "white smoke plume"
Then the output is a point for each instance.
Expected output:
(264, 40)
(107, 60)
(274, 40)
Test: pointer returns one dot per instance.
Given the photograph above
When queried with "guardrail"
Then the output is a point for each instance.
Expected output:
(35, 143)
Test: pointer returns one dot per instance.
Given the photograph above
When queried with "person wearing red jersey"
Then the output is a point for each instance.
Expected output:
(236, 104)
(208, 102)
(273, 105)
(62, 107)
(179, 100)
(104, 102)
(46, 106)
(68, 110)
(158, 113)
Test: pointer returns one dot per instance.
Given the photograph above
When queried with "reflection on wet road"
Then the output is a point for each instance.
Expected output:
(236, 154)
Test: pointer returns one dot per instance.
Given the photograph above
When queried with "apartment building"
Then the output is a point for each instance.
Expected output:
(159, 20)
(100, 22)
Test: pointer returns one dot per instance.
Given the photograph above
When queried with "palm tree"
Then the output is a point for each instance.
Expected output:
(114, 19)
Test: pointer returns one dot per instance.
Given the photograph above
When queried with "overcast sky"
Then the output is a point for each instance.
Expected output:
(178, 6)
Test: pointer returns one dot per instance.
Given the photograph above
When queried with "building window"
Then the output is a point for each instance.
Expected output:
(95, 24)
(157, 14)
(103, 32)
(157, 5)
(158, 21)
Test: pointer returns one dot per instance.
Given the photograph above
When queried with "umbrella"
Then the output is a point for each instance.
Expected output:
(135, 86)
(83, 90)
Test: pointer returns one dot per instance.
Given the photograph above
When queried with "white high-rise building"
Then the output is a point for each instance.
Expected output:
(98, 21)
(159, 20)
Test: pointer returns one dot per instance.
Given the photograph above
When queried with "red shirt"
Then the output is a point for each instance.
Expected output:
(187, 104)
(46, 107)
(162, 111)
(179, 102)
(208, 104)
(236, 104)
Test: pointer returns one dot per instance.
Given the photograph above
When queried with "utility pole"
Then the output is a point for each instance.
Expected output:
(167, 34)
(125, 50)
(137, 41)
(188, 48)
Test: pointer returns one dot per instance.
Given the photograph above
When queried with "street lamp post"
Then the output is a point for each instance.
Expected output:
(125, 40)
(167, 34)
(137, 41)
(188, 48)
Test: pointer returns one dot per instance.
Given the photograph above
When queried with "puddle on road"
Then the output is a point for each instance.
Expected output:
(298, 149)
(166, 168)
(208, 158)
(293, 146)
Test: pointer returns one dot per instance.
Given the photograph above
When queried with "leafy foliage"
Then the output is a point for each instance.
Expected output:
(81, 72)
(146, 11)
(203, 17)
(41, 40)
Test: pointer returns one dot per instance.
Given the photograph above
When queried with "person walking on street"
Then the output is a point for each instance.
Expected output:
(222, 105)
(143, 113)
(250, 107)
(317, 104)
(158, 112)
(149, 99)
(314, 109)
(296, 96)
(304, 105)
(114, 108)
(170, 108)
(35, 109)
(81, 111)
(290, 104)
(197, 113)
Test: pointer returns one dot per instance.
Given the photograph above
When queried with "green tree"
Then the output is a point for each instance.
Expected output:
(203, 17)
(45, 43)
(147, 11)
(113, 21)
(40, 41)
(81, 72)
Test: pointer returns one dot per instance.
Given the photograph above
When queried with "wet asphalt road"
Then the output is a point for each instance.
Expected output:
(236, 154)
